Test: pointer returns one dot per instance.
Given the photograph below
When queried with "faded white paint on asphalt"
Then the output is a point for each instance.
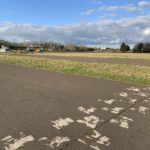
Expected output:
(95, 139)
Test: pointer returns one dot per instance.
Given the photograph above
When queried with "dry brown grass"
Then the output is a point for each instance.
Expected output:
(103, 55)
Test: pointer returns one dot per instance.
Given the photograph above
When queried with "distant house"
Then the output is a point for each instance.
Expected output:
(34, 48)
(4, 49)
(30, 48)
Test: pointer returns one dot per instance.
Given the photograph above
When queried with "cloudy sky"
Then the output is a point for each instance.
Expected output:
(86, 22)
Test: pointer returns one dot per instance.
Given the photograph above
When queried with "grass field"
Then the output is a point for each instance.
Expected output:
(103, 55)
(128, 73)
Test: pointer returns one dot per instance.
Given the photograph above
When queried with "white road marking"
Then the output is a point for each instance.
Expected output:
(116, 110)
(14, 144)
(105, 108)
(114, 121)
(132, 101)
(123, 122)
(142, 110)
(88, 137)
(87, 111)
(143, 94)
(43, 139)
(82, 141)
(57, 141)
(60, 123)
(90, 121)
(132, 109)
(95, 147)
(147, 88)
(147, 101)
(97, 139)
(123, 94)
(104, 141)
(133, 89)
(109, 101)
(7, 138)
(11, 143)
(95, 134)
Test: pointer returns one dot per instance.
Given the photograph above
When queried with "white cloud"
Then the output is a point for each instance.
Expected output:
(103, 9)
(102, 31)
(113, 8)
(129, 8)
(146, 31)
(89, 12)
(144, 4)
(107, 15)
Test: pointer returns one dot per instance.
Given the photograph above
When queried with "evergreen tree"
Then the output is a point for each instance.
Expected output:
(124, 47)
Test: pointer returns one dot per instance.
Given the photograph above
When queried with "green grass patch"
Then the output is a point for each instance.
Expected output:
(128, 73)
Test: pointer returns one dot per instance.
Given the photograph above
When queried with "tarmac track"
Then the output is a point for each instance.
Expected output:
(42, 110)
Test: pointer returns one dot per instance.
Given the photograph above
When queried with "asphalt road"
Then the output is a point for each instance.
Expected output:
(100, 60)
(41, 110)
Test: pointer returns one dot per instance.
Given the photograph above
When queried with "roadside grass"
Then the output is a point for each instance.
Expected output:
(128, 73)
(140, 56)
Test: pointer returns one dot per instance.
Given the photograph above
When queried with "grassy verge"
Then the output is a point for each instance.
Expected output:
(135, 56)
(128, 73)
(140, 56)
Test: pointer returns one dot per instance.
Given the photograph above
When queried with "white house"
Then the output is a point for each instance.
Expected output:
(3, 48)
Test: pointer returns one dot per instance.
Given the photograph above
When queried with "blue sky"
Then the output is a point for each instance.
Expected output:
(75, 21)
(56, 12)
(47, 12)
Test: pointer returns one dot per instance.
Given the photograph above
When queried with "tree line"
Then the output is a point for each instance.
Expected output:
(138, 48)
(56, 47)
(46, 46)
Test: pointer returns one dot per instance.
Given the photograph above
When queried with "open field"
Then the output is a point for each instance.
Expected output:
(126, 61)
(121, 72)
(44, 110)
(103, 55)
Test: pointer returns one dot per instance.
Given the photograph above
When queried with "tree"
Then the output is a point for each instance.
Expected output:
(124, 47)
(138, 48)
(146, 48)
